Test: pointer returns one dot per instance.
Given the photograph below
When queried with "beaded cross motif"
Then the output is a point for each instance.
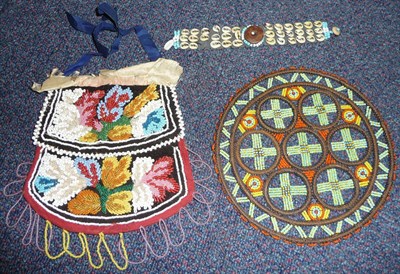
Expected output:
(304, 156)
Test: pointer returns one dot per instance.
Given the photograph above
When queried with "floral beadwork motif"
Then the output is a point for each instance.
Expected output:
(111, 186)
(304, 156)
(114, 194)
(108, 115)
(109, 120)
(110, 158)
(152, 181)
(59, 181)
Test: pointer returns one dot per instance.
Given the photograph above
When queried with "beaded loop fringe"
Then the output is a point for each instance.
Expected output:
(35, 231)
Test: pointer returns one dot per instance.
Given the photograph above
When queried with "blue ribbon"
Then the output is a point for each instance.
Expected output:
(147, 43)
(108, 13)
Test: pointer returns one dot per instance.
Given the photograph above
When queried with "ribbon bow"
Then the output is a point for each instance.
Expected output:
(109, 22)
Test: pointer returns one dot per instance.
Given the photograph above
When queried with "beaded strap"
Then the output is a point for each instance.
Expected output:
(251, 36)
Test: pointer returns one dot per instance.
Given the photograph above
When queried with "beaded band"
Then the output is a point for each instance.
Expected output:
(251, 36)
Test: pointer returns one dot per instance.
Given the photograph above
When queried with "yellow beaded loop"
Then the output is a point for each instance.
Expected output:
(85, 248)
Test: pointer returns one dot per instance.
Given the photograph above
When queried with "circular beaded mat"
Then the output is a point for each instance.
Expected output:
(304, 156)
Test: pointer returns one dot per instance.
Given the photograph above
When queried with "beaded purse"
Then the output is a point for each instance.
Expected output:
(111, 156)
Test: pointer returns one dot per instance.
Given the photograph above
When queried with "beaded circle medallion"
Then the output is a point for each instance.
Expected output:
(304, 156)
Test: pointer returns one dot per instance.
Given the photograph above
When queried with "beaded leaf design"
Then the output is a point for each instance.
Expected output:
(141, 100)
(118, 186)
(86, 202)
(66, 122)
(115, 173)
(111, 194)
(59, 180)
(113, 115)
(152, 181)
(87, 106)
(159, 180)
(110, 110)
(90, 169)
(150, 119)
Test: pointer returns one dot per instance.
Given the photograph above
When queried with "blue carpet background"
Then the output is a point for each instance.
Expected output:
(35, 37)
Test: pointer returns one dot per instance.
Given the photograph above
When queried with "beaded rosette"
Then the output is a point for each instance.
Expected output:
(303, 156)
(111, 156)
(251, 36)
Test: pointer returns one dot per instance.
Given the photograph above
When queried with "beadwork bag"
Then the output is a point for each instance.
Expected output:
(111, 156)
